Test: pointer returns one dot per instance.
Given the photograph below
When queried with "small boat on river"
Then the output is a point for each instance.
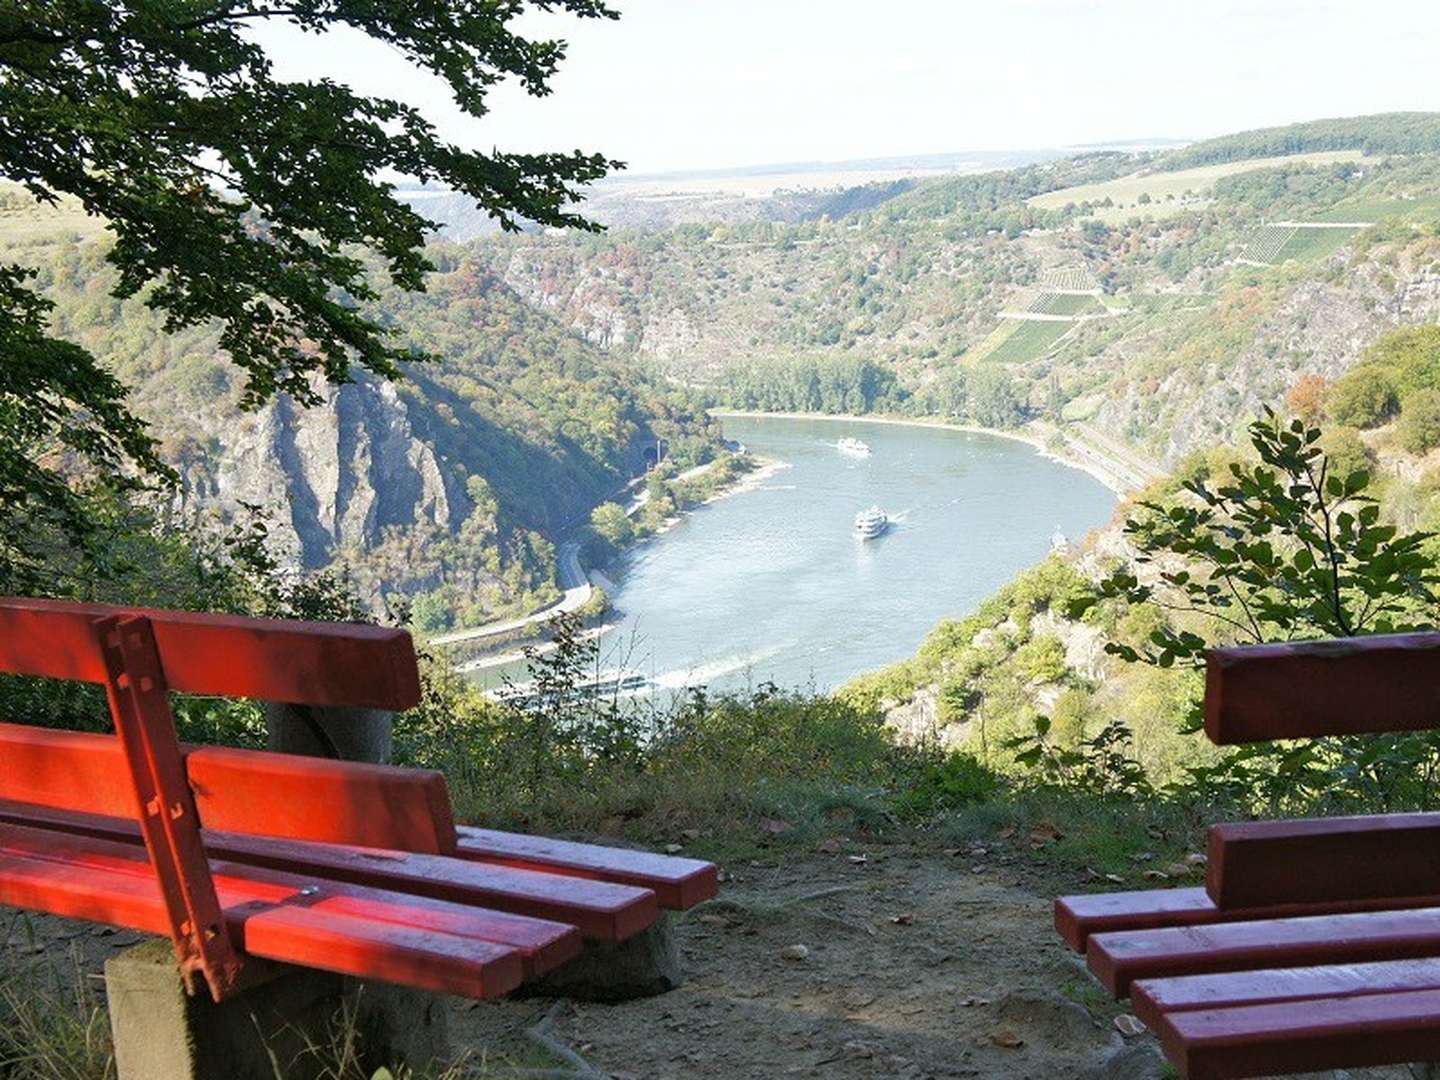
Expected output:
(851, 445)
(871, 523)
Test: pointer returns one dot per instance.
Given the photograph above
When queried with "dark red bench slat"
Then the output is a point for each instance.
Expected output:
(1118, 959)
(1387, 682)
(1294, 1037)
(544, 945)
(1149, 998)
(245, 791)
(1078, 917)
(600, 910)
(90, 879)
(272, 659)
(678, 883)
(1321, 860)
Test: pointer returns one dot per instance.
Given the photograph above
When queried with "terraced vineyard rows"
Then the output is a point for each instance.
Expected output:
(1049, 303)
(1070, 279)
(1030, 341)
(1266, 243)
(1314, 243)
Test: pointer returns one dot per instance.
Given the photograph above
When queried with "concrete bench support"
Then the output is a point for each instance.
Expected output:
(639, 967)
(162, 1033)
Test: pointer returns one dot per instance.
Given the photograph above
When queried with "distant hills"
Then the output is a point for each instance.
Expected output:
(1138, 302)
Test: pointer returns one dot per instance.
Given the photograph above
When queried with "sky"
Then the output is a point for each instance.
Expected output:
(678, 85)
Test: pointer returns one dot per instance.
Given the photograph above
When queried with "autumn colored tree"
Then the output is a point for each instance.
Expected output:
(1306, 399)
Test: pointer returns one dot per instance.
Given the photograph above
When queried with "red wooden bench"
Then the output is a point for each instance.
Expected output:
(1314, 944)
(352, 868)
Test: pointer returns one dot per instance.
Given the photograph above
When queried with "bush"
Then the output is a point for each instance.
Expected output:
(1306, 399)
(1364, 397)
(1412, 356)
(948, 783)
(1347, 452)
(1419, 427)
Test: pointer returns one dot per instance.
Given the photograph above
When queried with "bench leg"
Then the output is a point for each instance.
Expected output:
(161, 1033)
(640, 967)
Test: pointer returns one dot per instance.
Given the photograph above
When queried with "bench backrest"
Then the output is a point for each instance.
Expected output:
(1304, 689)
(298, 798)
(301, 663)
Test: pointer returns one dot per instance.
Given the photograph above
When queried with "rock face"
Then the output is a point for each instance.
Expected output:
(1320, 328)
(342, 472)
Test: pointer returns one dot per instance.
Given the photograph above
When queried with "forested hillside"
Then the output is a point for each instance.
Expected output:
(1151, 301)
(454, 483)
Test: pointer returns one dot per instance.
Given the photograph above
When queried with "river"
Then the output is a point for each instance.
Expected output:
(770, 584)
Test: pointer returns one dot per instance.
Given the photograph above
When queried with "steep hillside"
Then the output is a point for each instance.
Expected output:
(458, 481)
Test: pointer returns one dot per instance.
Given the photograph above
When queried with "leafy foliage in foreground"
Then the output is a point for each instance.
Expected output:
(235, 198)
(1283, 549)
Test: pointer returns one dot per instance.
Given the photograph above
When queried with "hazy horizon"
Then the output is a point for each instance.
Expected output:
(683, 87)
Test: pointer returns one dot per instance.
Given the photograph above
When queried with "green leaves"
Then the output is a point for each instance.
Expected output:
(1283, 550)
(238, 199)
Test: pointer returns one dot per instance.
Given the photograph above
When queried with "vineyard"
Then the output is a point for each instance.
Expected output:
(1070, 279)
(1048, 303)
(1271, 245)
(1306, 244)
(1266, 243)
(1029, 341)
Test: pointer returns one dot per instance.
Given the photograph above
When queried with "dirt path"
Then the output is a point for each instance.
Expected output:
(916, 964)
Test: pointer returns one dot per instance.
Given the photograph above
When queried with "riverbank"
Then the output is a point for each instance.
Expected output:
(575, 579)
(1123, 474)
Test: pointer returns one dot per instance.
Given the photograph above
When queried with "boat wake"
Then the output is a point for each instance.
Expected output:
(684, 679)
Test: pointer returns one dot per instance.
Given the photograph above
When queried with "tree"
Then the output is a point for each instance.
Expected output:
(1419, 427)
(235, 198)
(1306, 399)
(1412, 354)
(1284, 549)
(993, 400)
(1363, 397)
(610, 522)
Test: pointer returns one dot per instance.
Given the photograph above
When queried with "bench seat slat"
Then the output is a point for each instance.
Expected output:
(600, 910)
(303, 663)
(1118, 959)
(1294, 1037)
(1149, 998)
(1367, 857)
(245, 791)
(544, 945)
(100, 882)
(678, 883)
(1078, 917)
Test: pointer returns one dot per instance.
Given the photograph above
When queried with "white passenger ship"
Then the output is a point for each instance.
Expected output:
(871, 523)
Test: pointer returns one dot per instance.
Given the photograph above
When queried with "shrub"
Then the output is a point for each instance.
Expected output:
(1419, 427)
(1347, 452)
(1364, 397)
(948, 783)
(1411, 354)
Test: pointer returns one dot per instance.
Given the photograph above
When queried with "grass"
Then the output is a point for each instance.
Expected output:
(22, 220)
(1125, 191)
(1382, 210)
(1029, 341)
